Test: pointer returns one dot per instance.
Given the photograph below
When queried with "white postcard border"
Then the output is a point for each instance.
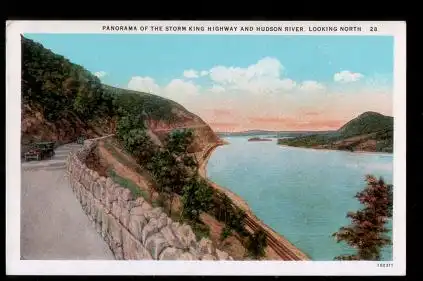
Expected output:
(15, 266)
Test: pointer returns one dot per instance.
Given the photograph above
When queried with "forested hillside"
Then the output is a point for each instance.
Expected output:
(370, 131)
(62, 100)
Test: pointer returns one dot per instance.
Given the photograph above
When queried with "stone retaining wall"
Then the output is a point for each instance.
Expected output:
(133, 229)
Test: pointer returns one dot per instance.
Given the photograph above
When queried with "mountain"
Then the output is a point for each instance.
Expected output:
(370, 131)
(62, 100)
(366, 123)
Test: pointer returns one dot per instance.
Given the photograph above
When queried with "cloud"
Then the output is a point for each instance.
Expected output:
(177, 89)
(261, 77)
(260, 95)
(217, 89)
(181, 88)
(347, 76)
(266, 67)
(313, 86)
(100, 74)
(144, 84)
(191, 73)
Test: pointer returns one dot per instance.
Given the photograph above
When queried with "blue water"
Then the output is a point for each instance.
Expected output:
(304, 194)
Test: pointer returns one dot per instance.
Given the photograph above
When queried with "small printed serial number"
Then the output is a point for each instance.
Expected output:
(385, 265)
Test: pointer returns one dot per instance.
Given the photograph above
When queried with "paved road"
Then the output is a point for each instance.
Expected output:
(53, 225)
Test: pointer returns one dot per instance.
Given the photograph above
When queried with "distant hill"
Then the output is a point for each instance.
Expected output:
(276, 134)
(366, 123)
(370, 131)
(62, 100)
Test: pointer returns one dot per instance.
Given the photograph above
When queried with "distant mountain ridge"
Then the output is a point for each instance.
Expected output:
(370, 131)
(271, 133)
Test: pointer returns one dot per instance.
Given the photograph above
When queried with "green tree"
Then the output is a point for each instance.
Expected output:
(197, 197)
(225, 233)
(174, 166)
(367, 232)
(257, 244)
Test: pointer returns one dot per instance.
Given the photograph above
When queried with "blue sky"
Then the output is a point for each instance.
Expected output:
(166, 57)
(303, 82)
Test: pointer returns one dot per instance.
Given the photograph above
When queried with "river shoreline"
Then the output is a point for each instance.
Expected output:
(364, 152)
(275, 238)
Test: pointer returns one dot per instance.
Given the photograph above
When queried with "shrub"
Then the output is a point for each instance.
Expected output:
(256, 244)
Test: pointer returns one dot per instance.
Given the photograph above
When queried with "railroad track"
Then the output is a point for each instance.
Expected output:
(283, 251)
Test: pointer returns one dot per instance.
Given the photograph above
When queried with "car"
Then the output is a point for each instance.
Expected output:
(39, 151)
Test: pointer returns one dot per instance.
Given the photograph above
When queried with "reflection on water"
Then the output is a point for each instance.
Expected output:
(304, 194)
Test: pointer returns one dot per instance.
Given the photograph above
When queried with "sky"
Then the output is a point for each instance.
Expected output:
(245, 82)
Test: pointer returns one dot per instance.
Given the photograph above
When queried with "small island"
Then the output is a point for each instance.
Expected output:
(259, 139)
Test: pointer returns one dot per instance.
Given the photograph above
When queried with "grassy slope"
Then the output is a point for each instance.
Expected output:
(369, 131)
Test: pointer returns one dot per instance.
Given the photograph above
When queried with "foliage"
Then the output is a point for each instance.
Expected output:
(366, 123)
(370, 125)
(59, 87)
(200, 230)
(257, 243)
(236, 221)
(174, 167)
(227, 212)
(367, 231)
(197, 197)
(226, 232)
(155, 107)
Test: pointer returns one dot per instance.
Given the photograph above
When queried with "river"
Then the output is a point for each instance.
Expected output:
(304, 194)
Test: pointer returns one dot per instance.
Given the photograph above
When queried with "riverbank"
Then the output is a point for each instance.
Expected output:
(279, 244)
(365, 152)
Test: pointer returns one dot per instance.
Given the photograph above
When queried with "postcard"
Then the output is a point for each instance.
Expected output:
(205, 148)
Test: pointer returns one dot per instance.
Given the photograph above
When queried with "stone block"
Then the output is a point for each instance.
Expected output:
(149, 230)
(147, 207)
(116, 209)
(205, 247)
(208, 258)
(133, 249)
(153, 214)
(162, 221)
(109, 183)
(155, 244)
(136, 225)
(97, 190)
(222, 255)
(185, 234)
(171, 238)
(127, 195)
(187, 256)
(115, 230)
(124, 217)
(170, 253)
(104, 224)
(138, 211)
